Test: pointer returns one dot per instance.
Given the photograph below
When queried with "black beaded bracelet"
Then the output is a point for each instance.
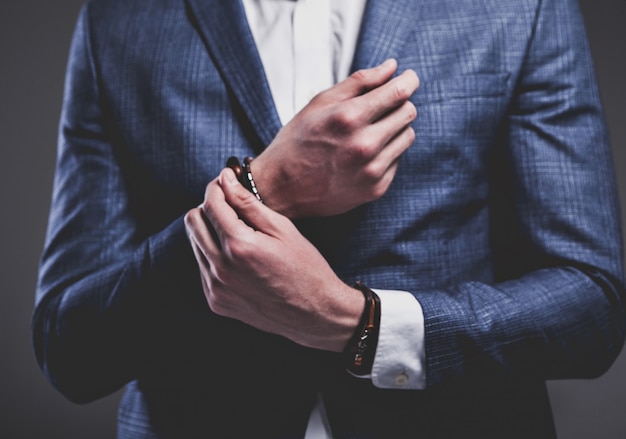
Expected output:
(244, 174)
(247, 175)
(361, 348)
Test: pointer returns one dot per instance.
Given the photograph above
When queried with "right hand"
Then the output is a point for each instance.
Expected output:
(256, 267)
(342, 149)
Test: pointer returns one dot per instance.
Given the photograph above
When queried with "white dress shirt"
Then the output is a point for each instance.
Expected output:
(306, 46)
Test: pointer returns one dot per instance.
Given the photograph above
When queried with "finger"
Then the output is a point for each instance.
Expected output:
(207, 269)
(397, 146)
(363, 81)
(255, 214)
(209, 226)
(202, 236)
(207, 277)
(382, 100)
(221, 215)
(201, 259)
(388, 176)
(391, 125)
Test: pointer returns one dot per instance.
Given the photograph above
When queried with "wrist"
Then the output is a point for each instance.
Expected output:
(274, 185)
(361, 348)
(341, 313)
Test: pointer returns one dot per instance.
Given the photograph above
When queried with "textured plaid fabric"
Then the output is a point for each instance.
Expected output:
(502, 220)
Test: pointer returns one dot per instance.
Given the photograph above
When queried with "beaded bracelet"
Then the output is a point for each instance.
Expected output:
(244, 174)
(361, 348)
(250, 185)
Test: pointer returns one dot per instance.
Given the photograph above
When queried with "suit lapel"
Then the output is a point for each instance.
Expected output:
(223, 26)
(386, 26)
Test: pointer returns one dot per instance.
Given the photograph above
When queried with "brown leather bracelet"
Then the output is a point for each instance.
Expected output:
(361, 349)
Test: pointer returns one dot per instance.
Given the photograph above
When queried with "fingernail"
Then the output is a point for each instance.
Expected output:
(229, 177)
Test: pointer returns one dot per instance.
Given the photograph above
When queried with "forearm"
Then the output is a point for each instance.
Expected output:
(552, 323)
(91, 334)
(116, 272)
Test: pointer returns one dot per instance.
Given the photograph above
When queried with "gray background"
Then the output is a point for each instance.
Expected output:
(34, 41)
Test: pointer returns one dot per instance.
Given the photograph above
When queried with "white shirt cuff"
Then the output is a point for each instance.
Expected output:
(400, 359)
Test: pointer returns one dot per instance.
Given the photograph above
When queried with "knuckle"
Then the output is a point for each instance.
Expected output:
(410, 133)
(216, 304)
(373, 172)
(238, 250)
(360, 76)
(245, 197)
(362, 80)
(379, 190)
(400, 90)
(319, 96)
(190, 218)
(358, 150)
(411, 111)
(220, 277)
(366, 147)
(345, 121)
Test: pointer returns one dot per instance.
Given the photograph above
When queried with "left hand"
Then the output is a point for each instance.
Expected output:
(256, 267)
(343, 148)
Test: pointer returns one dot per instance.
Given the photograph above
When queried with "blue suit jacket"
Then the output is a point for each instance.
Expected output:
(502, 221)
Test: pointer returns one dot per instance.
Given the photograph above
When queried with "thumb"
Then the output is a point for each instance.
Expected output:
(254, 213)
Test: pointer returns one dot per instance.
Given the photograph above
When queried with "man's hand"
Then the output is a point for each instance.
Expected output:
(342, 149)
(257, 268)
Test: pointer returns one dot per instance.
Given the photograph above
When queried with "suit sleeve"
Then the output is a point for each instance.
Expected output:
(558, 312)
(102, 277)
